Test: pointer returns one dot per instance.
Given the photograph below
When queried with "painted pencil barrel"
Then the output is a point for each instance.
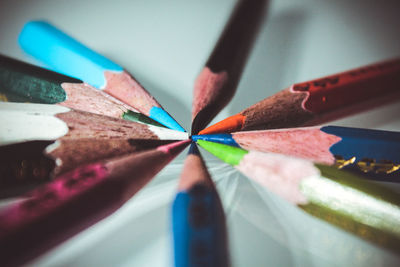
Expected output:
(22, 82)
(351, 87)
(368, 210)
(198, 228)
(64, 54)
(23, 166)
(32, 83)
(319, 101)
(55, 212)
(373, 154)
(369, 153)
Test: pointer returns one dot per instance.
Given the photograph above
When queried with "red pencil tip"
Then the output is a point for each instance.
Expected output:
(230, 124)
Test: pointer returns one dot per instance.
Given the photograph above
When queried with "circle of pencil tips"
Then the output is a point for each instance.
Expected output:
(94, 140)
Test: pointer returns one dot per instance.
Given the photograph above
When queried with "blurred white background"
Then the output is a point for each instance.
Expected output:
(165, 45)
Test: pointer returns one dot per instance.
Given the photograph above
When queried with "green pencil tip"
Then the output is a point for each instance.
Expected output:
(229, 154)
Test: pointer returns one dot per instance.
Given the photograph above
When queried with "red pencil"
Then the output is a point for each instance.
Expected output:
(76, 200)
(318, 101)
(217, 82)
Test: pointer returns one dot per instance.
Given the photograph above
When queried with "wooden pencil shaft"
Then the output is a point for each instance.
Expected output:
(198, 221)
(319, 101)
(363, 205)
(50, 45)
(71, 153)
(234, 45)
(367, 210)
(75, 201)
(329, 95)
(36, 84)
(216, 84)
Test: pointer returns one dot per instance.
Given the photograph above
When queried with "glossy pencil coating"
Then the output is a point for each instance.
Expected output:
(370, 153)
(318, 101)
(198, 220)
(75, 201)
(22, 82)
(23, 166)
(28, 122)
(217, 82)
(26, 165)
(66, 55)
(336, 196)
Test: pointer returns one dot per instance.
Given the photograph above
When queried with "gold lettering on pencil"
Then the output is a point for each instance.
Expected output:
(386, 166)
(340, 162)
(368, 165)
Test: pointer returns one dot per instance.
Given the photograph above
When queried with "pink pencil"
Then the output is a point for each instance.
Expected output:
(76, 200)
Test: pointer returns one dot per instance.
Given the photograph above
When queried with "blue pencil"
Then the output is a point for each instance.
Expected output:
(374, 154)
(198, 220)
(66, 55)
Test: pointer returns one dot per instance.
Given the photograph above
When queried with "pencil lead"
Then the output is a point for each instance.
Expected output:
(229, 154)
(193, 150)
(160, 115)
(228, 125)
(226, 139)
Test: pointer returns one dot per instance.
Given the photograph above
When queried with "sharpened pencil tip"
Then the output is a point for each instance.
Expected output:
(226, 139)
(160, 115)
(193, 150)
(230, 124)
(229, 154)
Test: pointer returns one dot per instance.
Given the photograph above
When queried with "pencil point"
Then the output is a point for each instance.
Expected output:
(226, 139)
(175, 147)
(160, 115)
(230, 124)
(193, 150)
(229, 154)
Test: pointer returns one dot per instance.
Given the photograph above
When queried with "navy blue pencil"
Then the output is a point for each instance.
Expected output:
(198, 220)
(373, 154)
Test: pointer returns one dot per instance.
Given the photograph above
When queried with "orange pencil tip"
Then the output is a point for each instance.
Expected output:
(230, 124)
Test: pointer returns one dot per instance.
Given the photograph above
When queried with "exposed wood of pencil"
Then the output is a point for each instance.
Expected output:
(75, 201)
(309, 143)
(70, 153)
(48, 44)
(194, 172)
(24, 122)
(29, 164)
(41, 85)
(197, 209)
(217, 82)
(320, 100)
(341, 198)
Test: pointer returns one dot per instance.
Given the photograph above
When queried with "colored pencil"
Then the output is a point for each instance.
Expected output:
(372, 153)
(318, 101)
(28, 164)
(217, 82)
(198, 219)
(22, 82)
(23, 166)
(76, 200)
(339, 197)
(35, 122)
(65, 55)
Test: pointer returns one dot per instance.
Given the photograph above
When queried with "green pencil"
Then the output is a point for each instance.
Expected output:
(22, 82)
(354, 204)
